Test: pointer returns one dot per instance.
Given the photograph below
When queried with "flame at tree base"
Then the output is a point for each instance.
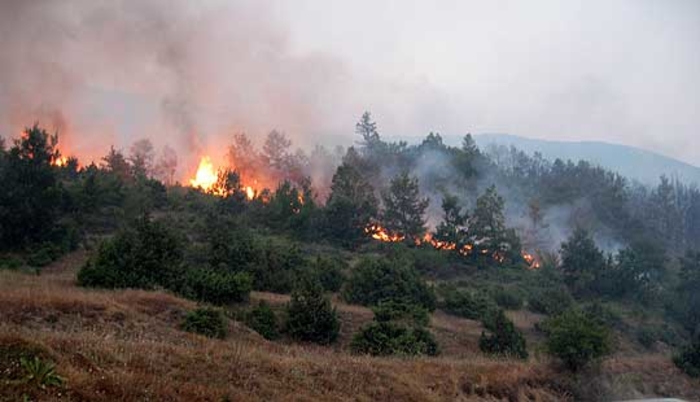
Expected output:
(377, 232)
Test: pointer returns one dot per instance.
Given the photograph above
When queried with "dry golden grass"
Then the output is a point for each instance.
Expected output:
(126, 345)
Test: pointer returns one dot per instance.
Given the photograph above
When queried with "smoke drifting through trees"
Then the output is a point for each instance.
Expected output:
(188, 76)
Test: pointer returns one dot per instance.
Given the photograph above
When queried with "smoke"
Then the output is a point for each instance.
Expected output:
(183, 74)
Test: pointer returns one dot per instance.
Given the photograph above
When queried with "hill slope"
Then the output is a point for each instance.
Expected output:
(634, 163)
(126, 345)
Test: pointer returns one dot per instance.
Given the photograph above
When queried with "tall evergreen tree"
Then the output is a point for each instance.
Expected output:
(30, 200)
(453, 228)
(487, 228)
(582, 263)
(403, 208)
(351, 206)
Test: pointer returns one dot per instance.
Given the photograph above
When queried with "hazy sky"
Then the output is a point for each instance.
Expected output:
(624, 71)
(192, 73)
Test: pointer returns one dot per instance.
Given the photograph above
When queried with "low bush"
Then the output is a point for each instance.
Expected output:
(502, 337)
(262, 320)
(215, 286)
(688, 359)
(378, 279)
(467, 304)
(310, 315)
(145, 257)
(10, 262)
(205, 321)
(508, 299)
(43, 256)
(40, 373)
(550, 301)
(329, 272)
(390, 338)
(576, 339)
(393, 310)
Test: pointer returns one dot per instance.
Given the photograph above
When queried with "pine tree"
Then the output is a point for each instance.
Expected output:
(583, 264)
(403, 208)
(487, 229)
(452, 229)
(351, 206)
(310, 315)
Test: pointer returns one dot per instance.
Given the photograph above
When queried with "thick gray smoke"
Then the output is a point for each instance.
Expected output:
(180, 73)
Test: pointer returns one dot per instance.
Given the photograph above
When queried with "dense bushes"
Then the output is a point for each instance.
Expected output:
(509, 299)
(551, 301)
(205, 321)
(390, 338)
(310, 316)
(215, 286)
(398, 329)
(467, 304)
(329, 272)
(502, 337)
(378, 279)
(576, 339)
(688, 359)
(393, 310)
(146, 256)
(262, 320)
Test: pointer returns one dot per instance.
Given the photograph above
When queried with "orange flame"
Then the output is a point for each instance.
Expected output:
(379, 233)
(531, 261)
(249, 192)
(60, 161)
(206, 176)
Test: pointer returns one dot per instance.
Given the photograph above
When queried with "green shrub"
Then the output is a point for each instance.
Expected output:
(507, 298)
(576, 339)
(503, 338)
(40, 373)
(144, 257)
(329, 272)
(310, 316)
(688, 359)
(604, 314)
(44, 256)
(205, 321)
(647, 336)
(277, 266)
(216, 287)
(550, 301)
(11, 262)
(467, 304)
(390, 338)
(393, 310)
(378, 279)
(262, 320)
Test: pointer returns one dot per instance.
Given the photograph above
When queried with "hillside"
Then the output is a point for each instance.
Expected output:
(126, 345)
(634, 163)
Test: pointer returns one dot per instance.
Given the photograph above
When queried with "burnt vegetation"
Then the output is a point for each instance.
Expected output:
(406, 230)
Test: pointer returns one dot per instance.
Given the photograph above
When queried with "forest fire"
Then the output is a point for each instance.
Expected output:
(61, 161)
(531, 261)
(379, 233)
(206, 175)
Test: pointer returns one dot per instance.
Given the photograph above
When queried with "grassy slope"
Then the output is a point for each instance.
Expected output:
(125, 345)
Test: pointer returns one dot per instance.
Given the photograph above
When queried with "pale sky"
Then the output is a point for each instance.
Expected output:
(624, 71)
(189, 74)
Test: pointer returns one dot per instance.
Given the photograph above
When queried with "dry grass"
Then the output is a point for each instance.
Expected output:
(125, 345)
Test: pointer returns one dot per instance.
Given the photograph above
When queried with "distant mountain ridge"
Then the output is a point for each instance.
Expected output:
(634, 163)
